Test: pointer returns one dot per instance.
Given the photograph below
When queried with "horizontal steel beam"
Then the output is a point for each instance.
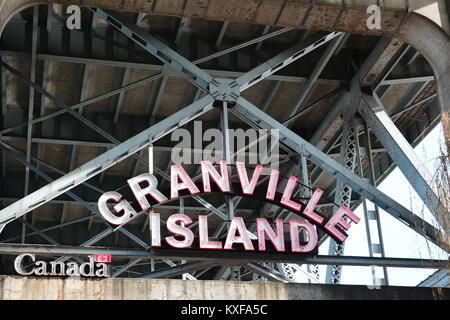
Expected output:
(156, 206)
(231, 257)
(181, 269)
(110, 145)
(388, 82)
(158, 67)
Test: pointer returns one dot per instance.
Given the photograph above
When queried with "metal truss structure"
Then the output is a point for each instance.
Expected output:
(212, 88)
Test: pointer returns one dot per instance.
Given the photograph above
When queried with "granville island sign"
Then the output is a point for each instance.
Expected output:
(146, 194)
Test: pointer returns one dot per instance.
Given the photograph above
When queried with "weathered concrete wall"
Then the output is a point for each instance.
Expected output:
(26, 288)
(323, 15)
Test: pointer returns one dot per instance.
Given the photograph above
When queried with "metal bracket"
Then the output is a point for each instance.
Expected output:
(224, 90)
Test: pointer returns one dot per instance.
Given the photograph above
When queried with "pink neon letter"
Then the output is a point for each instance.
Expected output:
(128, 210)
(309, 209)
(287, 194)
(177, 171)
(155, 229)
(203, 234)
(179, 230)
(272, 186)
(208, 170)
(294, 225)
(151, 190)
(263, 228)
(247, 187)
(338, 219)
(237, 223)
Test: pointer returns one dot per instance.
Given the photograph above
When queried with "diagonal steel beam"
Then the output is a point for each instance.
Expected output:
(266, 272)
(404, 156)
(321, 64)
(44, 236)
(183, 28)
(412, 106)
(242, 45)
(10, 150)
(282, 60)
(85, 102)
(31, 93)
(358, 184)
(61, 104)
(157, 48)
(270, 93)
(95, 212)
(130, 264)
(62, 225)
(106, 160)
(97, 129)
(142, 81)
(125, 76)
(157, 97)
(83, 93)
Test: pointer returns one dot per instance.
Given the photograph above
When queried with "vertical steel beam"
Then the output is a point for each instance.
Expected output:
(44, 100)
(125, 79)
(270, 93)
(31, 93)
(226, 152)
(3, 91)
(236, 273)
(182, 29)
(3, 101)
(34, 43)
(343, 192)
(157, 96)
(264, 32)
(222, 31)
(83, 95)
(373, 215)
